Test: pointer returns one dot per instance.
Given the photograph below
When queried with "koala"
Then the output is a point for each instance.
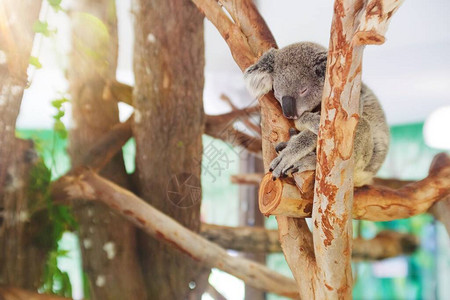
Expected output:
(296, 74)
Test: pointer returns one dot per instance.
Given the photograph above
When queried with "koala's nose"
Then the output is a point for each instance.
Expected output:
(289, 107)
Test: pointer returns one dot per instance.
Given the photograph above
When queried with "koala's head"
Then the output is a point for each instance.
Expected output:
(296, 73)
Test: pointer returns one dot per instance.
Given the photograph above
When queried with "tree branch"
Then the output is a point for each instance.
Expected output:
(441, 210)
(374, 203)
(246, 121)
(118, 92)
(255, 178)
(107, 146)
(211, 290)
(259, 240)
(88, 185)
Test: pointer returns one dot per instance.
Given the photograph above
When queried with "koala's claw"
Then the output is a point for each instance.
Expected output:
(286, 165)
(280, 147)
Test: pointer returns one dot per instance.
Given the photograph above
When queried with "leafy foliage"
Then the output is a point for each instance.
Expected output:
(34, 61)
(42, 28)
(55, 4)
(55, 280)
(56, 220)
(58, 126)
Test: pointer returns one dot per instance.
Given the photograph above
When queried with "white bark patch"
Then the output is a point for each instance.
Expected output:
(23, 216)
(2, 100)
(137, 116)
(3, 58)
(100, 281)
(151, 38)
(166, 80)
(15, 90)
(110, 249)
(87, 243)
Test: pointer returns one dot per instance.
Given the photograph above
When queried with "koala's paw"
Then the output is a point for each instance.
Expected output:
(280, 147)
(287, 163)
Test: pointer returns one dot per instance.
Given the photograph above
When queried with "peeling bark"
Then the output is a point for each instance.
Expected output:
(333, 195)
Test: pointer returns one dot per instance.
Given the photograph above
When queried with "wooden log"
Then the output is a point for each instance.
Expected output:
(374, 203)
(276, 198)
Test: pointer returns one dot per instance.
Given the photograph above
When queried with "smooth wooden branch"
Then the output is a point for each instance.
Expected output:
(221, 127)
(252, 126)
(259, 240)
(374, 203)
(441, 209)
(119, 92)
(255, 179)
(88, 185)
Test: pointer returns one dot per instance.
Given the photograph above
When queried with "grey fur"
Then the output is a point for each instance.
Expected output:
(298, 71)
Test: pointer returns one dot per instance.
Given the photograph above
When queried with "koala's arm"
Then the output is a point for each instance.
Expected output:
(297, 156)
(308, 121)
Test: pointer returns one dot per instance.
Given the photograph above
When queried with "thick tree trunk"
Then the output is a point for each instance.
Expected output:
(250, 214)
(169, 122)
(108, 242)
(21, 258)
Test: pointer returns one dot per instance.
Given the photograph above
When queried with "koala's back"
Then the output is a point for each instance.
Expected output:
(373, 116)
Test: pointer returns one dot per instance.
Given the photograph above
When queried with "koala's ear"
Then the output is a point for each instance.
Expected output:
(320, 64)
(258, 77)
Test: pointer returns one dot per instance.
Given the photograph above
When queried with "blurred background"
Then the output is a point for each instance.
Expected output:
(410, 74)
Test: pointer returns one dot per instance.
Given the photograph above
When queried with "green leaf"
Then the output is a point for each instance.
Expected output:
(34, 61)
(56, 4)
(60, 129)
(41, 27)
(59, 102)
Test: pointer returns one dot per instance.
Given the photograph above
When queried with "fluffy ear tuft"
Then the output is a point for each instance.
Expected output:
(320, 64)
(258, 77)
